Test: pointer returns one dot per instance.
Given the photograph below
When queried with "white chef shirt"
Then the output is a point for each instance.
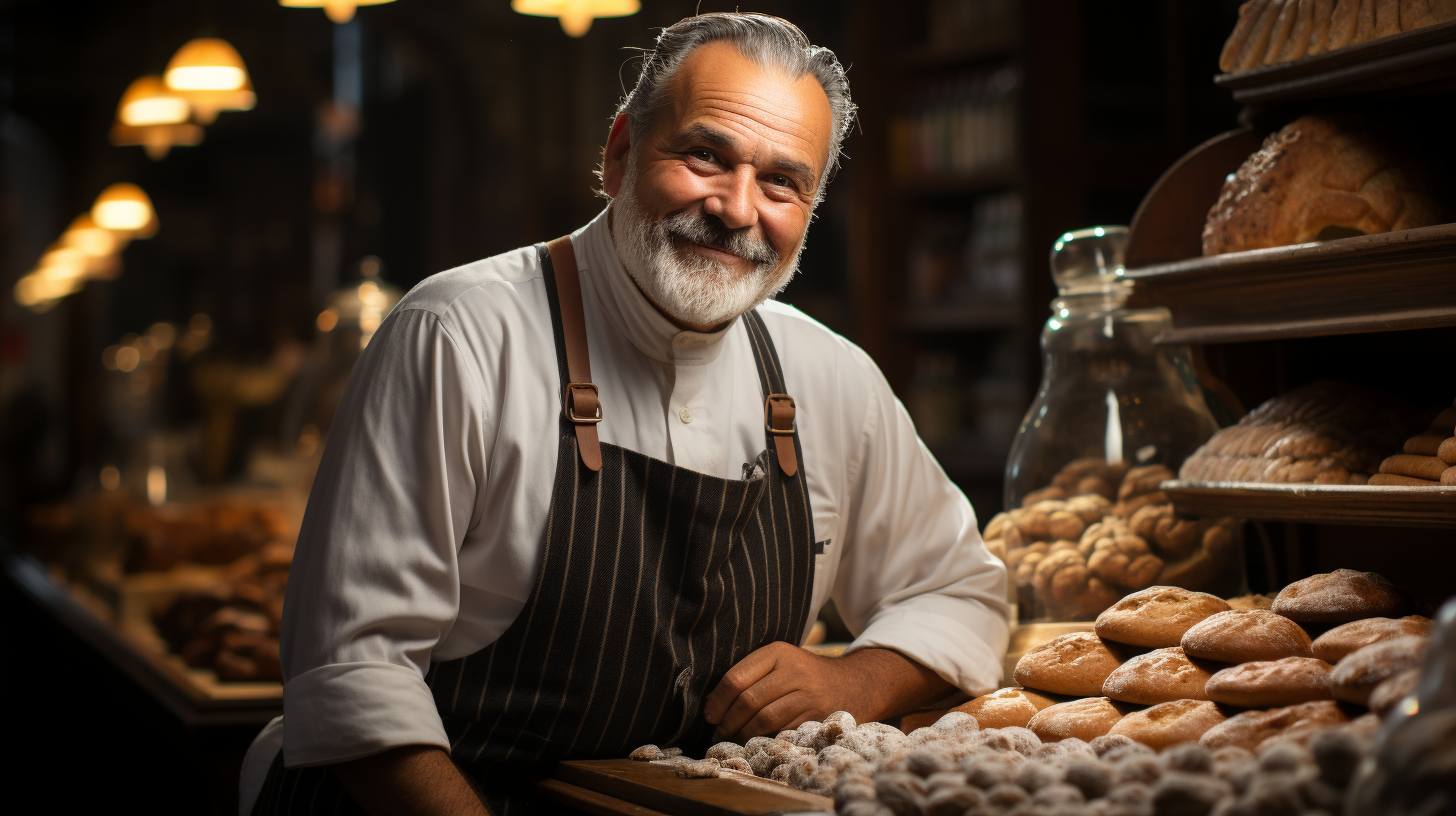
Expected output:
(427, 520)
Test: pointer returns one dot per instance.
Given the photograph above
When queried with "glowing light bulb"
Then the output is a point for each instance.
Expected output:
(576, 16)
(209, 73)
(125, 208)
(339, 11)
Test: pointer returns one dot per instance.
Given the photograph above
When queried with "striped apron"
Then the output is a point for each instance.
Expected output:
(655, 580)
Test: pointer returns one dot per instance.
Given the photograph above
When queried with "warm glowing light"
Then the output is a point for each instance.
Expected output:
(156, 486)
(163, 334)
(576, 15)
(209, 73)
(63, 263)
(90, 239)
(340, 11)
(327, 320)
(128, 358)
(110, 477)
(108, 357)
(148, 101)
(124, 208)
(200, 324)
(146, 348)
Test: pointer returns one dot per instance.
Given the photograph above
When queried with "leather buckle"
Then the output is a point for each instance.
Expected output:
(768, 414)
(569, 403)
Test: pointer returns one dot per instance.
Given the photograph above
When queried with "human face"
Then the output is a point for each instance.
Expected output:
(737, 145)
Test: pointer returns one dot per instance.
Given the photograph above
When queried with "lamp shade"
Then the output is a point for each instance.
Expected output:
(148, 101)
(95, 241)
(340, 11)
(126, 209)
(576, 15)
(211, 76)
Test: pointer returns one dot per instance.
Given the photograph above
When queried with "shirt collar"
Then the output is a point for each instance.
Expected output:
(629, 311)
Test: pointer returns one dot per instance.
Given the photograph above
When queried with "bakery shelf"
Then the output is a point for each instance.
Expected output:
(1368, 505)
(1370, 283)
(960, 317)
(622, 786)
(1423, 60)
(194, 696)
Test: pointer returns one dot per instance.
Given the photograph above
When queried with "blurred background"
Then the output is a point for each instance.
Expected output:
(207, 207)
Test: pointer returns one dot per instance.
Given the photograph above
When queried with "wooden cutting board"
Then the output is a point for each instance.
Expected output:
(644, 788)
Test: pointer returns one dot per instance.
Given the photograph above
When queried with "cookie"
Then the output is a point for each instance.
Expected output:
(1340, 596)
(1157, 616)
(1396, 480)
(1241, 636)
(1076, 664)
(1249, 729)
(1334, 645)
(1160, 676)
(1272, 683)
(1356, 676)
(1168, 724)
(1006, 707)
(1086, 719)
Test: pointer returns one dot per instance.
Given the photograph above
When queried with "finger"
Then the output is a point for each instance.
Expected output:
(739, 679)
(777, 715)
(774, 685)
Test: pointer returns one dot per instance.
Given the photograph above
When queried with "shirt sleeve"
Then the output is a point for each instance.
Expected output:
(915, 576)
(375, 580)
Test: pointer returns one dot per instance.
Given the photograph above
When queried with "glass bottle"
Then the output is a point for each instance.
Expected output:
(1115, 415)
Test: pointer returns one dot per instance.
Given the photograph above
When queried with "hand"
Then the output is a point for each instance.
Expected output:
(781, 686)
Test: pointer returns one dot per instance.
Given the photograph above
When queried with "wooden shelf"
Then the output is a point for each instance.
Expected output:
(1370, 283)
(1369, 505)
(194, 696)
(995, 46)
(1423, 60)
(984, 181)
(658, 788)
(959, 317)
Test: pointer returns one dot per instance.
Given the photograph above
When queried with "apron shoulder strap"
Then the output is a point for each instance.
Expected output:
(580, 400)
(778, 406)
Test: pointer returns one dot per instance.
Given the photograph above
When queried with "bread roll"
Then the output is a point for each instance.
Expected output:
(1086, 719)
(1006, 707)
(1340, 596)
(1240, 636)
(1356, 676)
(1160, 676)
(1076, 664)
(1250, 728)
(1334, 645)
(1168, 724)
(1157, 616)
(1271, 683)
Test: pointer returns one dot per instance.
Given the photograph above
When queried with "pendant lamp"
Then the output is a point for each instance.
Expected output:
(209, 74)
(92, 240)
(340, 11)
(576, 15)
(124, 208)
(155, 117)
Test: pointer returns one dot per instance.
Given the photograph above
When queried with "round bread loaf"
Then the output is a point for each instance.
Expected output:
(1250, 728)
(1355, 677)
(1272, 683)
(1006, 707)
(1334, 645)
(1076, 664)
(1242, 635)
(1160, 676)
(1392, 691)
(1157, 616)
(1251, 602)
(1085, 719)
(1168, 724)
(1342, 595)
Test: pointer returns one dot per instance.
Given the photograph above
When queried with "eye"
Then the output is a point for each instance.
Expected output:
(780, 181)
(701, 155)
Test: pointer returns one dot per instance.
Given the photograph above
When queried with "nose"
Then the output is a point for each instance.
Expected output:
(733, 201)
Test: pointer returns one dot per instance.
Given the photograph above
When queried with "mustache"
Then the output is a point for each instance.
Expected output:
(702, 228)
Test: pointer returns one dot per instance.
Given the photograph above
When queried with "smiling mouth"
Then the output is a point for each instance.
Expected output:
(710, 249)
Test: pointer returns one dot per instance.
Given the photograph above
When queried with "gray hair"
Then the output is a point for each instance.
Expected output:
(766, 41)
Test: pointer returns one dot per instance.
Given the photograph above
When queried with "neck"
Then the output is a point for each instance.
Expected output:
(681, 324)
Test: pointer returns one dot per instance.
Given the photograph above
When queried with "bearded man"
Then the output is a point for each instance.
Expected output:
(569, 507)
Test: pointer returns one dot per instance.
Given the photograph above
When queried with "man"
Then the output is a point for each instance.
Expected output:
(507, 562)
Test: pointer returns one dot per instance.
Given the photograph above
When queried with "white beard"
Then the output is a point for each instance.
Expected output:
(695, 290)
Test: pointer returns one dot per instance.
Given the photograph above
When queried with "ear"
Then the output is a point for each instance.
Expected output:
(614, 158)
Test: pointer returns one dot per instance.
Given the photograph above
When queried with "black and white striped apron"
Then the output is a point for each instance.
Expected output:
(655, 581)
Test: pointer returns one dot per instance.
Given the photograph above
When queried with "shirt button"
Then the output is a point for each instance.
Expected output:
(685, 414)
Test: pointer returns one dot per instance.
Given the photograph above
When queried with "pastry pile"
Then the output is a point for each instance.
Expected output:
(1270, 32)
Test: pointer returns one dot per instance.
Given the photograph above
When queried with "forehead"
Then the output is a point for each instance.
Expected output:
(719, 87)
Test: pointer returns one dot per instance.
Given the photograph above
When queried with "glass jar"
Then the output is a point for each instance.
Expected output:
(1115, 415)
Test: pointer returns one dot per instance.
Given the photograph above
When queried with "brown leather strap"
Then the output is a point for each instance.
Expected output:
(581, 402)
(778, 420)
